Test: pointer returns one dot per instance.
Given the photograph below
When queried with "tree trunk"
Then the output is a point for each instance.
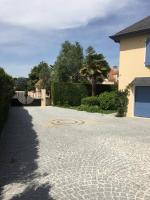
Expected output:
(93, 86)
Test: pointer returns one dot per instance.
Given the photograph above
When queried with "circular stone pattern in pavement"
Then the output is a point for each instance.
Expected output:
(66, 122)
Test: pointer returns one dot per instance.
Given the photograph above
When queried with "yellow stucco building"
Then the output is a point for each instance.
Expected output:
(134, 67)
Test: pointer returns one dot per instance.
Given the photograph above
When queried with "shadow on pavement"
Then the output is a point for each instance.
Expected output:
(18, 156)
(35, 193)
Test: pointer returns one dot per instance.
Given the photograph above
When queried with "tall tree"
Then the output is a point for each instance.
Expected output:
(20, 84)
(95, 68)
(69, 61)
(40, 71)
(45, 75)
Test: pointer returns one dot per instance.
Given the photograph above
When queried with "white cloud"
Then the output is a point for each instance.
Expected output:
(56, 14)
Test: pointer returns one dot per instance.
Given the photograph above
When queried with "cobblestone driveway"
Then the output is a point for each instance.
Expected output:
(59, 154)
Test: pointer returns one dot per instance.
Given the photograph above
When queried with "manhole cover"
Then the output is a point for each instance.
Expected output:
(66, 122)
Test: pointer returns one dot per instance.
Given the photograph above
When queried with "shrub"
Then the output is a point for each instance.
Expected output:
(100, 88)
(87, 108)
(93, 109)
(90, 101)
(122, 102)
(67, 93)
(6, 92)
(107, 101)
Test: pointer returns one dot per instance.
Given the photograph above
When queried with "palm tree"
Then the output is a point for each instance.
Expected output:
(95, 68)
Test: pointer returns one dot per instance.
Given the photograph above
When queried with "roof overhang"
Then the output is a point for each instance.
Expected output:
(118, 37)
(141, 81)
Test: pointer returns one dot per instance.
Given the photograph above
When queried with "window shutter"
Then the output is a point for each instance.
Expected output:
(147, 59)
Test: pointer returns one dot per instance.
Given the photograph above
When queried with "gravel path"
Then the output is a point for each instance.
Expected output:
(60, 154)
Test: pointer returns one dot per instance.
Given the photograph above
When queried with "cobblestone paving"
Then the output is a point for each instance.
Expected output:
(61, 154)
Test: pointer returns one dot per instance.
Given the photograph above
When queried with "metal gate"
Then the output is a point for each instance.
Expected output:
(20, 99)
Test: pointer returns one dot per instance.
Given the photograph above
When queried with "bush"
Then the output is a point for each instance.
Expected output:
(100, 88)
(122, 102)
(90, 101)
(107, 101)
(6, 92)
(93, 109)
(87, 108)
(67, 93)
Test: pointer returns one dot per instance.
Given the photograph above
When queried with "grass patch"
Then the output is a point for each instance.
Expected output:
(91, 109)
(94, 109)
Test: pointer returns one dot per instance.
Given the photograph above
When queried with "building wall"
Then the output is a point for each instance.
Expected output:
(132, 64)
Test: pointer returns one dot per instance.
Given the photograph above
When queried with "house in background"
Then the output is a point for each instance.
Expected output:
(113, 75)
(134, 67)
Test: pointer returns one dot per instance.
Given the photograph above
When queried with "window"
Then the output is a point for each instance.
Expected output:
(147, 58)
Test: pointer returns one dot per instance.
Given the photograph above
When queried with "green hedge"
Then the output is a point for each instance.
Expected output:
(67, 93)
(100, 88)
(107, 100)
(90, 101)
(6, 92)
(94, 109)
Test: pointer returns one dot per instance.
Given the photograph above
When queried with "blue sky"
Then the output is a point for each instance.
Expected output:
(33, 30)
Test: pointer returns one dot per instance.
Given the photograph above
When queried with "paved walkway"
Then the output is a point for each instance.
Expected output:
(60, 154)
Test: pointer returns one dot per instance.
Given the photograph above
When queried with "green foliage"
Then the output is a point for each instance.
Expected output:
(107, 100)
(90, 101)
(34, 75)
(68, 62)
(95, 68)
(20, 84)
(93, 109)
(6, 92)
(41, 71)
(100, 88)
(30, 85)
(122, 102)
(67, 93)
(44, 75)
